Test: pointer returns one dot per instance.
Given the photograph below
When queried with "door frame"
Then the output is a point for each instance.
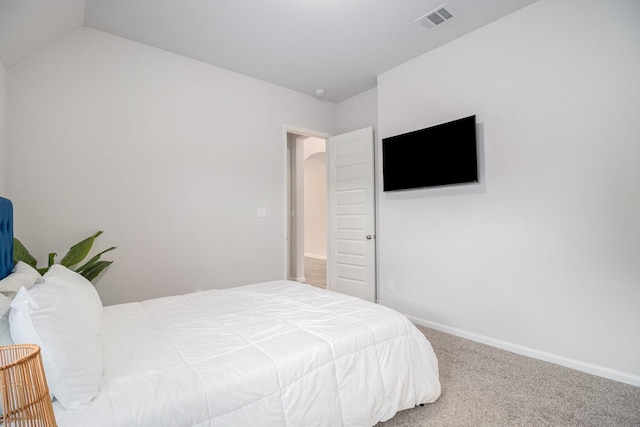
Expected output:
(286, 130)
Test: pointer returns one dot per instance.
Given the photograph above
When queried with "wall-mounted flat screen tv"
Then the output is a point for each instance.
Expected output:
(445, 154)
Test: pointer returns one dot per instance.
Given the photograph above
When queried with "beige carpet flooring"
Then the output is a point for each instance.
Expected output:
(486, 386)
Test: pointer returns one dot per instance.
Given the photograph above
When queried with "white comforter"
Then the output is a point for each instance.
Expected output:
(272, 354)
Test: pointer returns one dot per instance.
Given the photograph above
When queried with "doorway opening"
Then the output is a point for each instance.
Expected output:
(307, 208)
(315, 211)
(350, 211)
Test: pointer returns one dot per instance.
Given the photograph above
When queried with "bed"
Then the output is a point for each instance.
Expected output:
(278, 353)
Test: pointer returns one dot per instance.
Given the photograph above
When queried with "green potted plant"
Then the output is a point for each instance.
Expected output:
(72, 260)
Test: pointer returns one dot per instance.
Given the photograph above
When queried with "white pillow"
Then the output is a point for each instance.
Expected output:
(21, 275)
(5, 333)
(61, 316)
(80, 289)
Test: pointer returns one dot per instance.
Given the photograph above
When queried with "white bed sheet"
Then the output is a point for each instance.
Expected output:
(271, 354)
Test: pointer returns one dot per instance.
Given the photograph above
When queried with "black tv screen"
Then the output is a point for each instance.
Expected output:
(444, 154)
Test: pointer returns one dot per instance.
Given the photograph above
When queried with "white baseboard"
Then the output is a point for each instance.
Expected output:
(601, 371)
(316, 256)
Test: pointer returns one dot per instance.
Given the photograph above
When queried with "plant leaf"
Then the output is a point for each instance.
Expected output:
(92, 261)
(79, 251)
(93, 272)
(20, 253)
(52, 257)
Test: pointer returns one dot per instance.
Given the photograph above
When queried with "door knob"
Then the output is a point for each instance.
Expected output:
(369, 236)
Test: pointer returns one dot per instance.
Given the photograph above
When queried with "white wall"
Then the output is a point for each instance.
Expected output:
(295, 207)
(543, 257)
(357, 112)
(3, 127)
(169, 156)
(28, 26)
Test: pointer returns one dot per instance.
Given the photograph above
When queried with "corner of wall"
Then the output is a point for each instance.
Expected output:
(3, 128)
(358, 112)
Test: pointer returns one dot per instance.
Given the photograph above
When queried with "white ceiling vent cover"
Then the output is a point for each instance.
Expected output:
(436, 17)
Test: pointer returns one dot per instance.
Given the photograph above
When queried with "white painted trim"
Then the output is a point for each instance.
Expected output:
(304, 132)
(590, 368)
(315, 256)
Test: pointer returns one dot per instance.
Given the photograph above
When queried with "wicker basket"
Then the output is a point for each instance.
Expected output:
(23, 387)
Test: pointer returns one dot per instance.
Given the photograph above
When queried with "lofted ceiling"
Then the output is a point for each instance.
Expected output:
(339, 46)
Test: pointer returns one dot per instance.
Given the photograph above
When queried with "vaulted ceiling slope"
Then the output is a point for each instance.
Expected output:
(339, 46)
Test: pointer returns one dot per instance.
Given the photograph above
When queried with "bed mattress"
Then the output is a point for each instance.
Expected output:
(271, 354)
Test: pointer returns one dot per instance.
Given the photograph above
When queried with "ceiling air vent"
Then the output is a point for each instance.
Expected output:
(436, 17)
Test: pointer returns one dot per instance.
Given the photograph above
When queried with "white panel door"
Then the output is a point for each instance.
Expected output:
(351, 248)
